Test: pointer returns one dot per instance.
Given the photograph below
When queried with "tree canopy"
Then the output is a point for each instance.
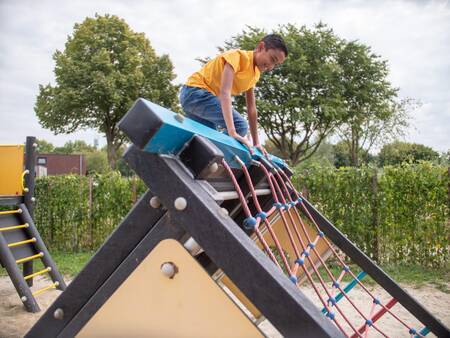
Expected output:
(324, 84)
(103, 69)
(398, 152)
(374, 114)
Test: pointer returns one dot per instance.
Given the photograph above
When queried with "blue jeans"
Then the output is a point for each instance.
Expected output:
(204, 107)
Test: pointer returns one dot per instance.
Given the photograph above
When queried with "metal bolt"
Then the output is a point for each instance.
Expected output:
(19, 211)
(213, 167)
(33, 199)
(26, 189)
(180, 203)
(224, 212)
(58, 314)
(35, 145)
(24, 299)
(179, 117)
(155, 202)
(169, 269)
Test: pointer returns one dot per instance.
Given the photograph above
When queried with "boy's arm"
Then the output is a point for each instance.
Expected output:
(225, 102)
(253, 118)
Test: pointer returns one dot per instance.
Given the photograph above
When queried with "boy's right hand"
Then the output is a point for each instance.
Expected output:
(243, 140)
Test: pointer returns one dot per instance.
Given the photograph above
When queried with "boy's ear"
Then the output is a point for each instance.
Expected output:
(260, 46)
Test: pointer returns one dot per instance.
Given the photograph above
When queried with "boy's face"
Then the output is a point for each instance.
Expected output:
(268, 59)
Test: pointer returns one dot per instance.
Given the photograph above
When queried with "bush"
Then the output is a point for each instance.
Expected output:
(77, 213)
(398, 215)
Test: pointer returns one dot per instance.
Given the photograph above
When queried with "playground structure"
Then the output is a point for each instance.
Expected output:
(214, 219)
(20, 242)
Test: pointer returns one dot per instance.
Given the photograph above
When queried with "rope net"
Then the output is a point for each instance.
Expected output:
(291, 238)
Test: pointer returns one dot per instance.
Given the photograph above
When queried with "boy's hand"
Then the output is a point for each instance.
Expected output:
(243, 140)
(261, 149)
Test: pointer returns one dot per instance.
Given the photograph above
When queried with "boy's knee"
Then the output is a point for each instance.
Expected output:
(241, 126)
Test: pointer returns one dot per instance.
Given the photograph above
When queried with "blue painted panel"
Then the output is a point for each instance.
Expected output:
(173, 134)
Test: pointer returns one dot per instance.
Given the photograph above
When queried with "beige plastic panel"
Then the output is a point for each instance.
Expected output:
(283, 237)
(11, 169)
(149, 304)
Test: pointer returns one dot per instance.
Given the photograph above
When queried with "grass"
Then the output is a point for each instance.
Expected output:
(70, 264)
(414, 275)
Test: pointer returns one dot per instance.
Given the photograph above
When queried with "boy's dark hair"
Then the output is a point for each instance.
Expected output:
(274, 41)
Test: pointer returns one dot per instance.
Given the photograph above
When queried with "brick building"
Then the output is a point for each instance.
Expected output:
(60, 164)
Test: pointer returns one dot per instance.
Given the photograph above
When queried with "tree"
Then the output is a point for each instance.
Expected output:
(326, 83)
(97, 162)
(398, 152)
(299, 102)
(103, 69)
(75, 147)
(343, 155)
(374, 114)
(44, 146)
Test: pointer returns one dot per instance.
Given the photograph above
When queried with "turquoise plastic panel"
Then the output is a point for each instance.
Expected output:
(173, 135)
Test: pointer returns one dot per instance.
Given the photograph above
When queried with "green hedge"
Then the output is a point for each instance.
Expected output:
(76, 213)
(396, 215)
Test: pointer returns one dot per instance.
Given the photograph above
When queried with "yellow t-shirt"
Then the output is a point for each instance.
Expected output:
(209, 77)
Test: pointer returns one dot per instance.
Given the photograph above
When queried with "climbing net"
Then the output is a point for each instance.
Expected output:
(308, 264)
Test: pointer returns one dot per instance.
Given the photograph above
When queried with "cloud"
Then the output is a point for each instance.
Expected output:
(414, 36)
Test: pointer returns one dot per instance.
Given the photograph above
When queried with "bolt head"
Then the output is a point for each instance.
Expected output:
(155, 202)
(23, 299)
(179, 117)
(224, 212)
(169, 269)
(33, 199)
(213, 167)
(58, 314)
(180, 203)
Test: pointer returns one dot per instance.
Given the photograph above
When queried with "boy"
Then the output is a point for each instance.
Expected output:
(206, 96)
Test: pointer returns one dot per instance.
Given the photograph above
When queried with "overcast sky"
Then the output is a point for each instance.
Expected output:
(414, 36)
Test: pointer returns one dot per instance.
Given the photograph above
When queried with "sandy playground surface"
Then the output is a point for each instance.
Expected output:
(15, 321)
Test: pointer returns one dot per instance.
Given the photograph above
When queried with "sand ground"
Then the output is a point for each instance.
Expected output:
(15, 321)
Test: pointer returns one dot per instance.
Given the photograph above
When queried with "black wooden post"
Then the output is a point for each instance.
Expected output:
(28, 195)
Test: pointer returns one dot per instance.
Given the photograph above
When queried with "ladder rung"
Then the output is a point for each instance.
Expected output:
(26, 225)
(52, 286)
(9, 212)
(37, 273)
(11, 245)
(29, 258)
